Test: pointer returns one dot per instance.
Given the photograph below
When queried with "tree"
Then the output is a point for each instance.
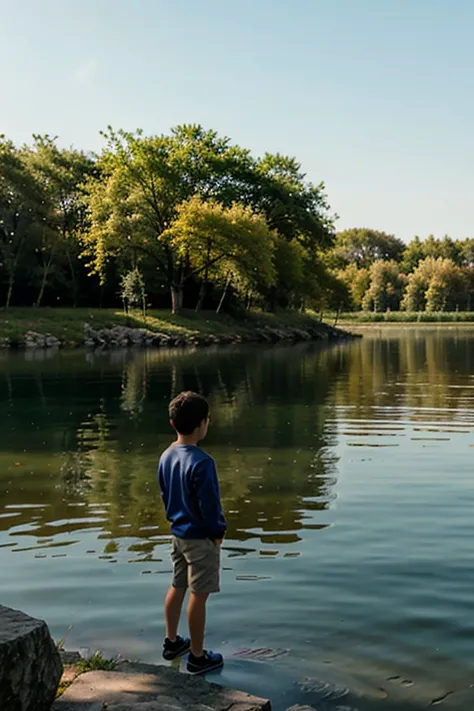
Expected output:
(417, 250)
(289, 261)
(412, 255)
(445, 248)
(219, 242)
(386, 287)
(294, 207)
(144, 181)
(466, 252)
(62, 174)
(363, 246)
(24, 212)
(132, 290)
(435, 285)
(357, 282)
(298, 211)
(466, 259)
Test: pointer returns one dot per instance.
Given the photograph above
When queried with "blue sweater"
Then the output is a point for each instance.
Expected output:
(188, 482)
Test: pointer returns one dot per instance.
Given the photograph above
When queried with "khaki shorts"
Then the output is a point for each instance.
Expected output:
(196, 564)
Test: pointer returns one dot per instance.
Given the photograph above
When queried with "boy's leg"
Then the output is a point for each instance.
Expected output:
(203, 558)
(173, 605)
(197, 621)
(175, 596)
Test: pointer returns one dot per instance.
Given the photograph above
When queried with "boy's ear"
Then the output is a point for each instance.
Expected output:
(172, 424)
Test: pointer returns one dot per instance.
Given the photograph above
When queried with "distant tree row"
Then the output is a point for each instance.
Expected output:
(379, 272)
(189, 217)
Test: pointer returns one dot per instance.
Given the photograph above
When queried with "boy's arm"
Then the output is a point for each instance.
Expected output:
(207, 491)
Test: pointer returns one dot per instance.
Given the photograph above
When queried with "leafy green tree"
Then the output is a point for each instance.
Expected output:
(143, 182)
(132, 290)
(293, 206)
(298, 211)
(466, 252)
(418, 249)
(357, 281)
(386, 287)
(412, 255)
(219, 242)
(290, 287)
(445, 248)
(466, 259)
(24, 212)
(62, 174)
(363, 246)
(435, 285)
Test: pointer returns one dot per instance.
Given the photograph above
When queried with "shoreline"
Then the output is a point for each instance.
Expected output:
(377, 326)
(111, 329)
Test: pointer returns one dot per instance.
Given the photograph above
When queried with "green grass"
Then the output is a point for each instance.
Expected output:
(96, 663)
(359, 317)
(67, 324)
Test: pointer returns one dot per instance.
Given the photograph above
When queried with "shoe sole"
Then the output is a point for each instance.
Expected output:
(176, 655)
(206, 670)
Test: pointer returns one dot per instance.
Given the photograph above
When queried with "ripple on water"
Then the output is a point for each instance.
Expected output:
(347, 479)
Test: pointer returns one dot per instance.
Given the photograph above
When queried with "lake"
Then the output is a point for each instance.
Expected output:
(347, 479)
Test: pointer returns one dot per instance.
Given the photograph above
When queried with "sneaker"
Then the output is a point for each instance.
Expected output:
(172, 650)
(207, 663)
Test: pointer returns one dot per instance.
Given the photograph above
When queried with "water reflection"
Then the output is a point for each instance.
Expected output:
(346, 477)
(93, 441)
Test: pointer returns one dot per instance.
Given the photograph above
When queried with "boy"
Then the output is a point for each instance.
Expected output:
(190, 492)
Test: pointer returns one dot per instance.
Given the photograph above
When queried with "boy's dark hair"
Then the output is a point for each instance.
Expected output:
(187, 412)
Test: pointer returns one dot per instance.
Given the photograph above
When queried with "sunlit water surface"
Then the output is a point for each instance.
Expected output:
(347, 478)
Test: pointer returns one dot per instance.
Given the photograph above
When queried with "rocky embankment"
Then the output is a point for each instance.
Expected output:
(124, 337)
(31, 668)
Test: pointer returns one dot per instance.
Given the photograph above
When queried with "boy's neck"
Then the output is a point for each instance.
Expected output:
(190, 440)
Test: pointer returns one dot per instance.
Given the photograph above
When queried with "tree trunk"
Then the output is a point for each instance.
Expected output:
(272, 299)
(205, 280)
(73, 278)
(11, 281)
(248, 305)
(176, 298)
(44, 281)
(202, 295)
(224, 293)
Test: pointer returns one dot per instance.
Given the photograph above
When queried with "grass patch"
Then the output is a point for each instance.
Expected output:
(71, 671)
(62, 688)
(96, 663)
(67, 324)
(404, 317)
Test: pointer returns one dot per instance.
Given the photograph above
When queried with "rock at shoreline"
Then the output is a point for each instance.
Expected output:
(41, 340)
(30, 666)
(144, 686)
(122, 336)
(114, 337)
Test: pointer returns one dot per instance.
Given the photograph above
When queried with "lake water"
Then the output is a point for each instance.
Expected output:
(348, 482)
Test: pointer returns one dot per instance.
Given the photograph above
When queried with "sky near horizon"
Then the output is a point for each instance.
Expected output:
(374, 97)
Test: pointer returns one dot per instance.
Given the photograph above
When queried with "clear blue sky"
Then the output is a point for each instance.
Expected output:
(375, 97)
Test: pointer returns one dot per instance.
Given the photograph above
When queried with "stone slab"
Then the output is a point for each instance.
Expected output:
(144, 687)
(30, 666)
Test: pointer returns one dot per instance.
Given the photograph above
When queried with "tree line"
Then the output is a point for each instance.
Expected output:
(184, 219)
(189, 219)
(379, 272)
